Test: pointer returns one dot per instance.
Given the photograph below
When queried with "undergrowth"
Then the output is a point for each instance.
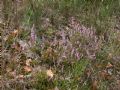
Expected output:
(60, 45)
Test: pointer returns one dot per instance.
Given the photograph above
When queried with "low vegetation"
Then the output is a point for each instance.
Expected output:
(60, 45)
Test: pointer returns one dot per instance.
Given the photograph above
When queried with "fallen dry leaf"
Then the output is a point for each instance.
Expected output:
(103, 74)
(16, 46)
(8, 69)
(56, 88)
(15, 32)
(28, 61)
(27, 68)
(110, 55)
(95, 85)
(6, 38)
(109, 65)
(88, 72)
(49, 73)
(12, 74)
(20, 77)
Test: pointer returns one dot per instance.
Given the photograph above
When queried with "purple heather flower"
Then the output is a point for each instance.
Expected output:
(33, 35)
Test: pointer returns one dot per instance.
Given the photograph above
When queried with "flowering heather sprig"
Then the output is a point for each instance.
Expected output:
(74, 41)
(33, 36)
(84, 31)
